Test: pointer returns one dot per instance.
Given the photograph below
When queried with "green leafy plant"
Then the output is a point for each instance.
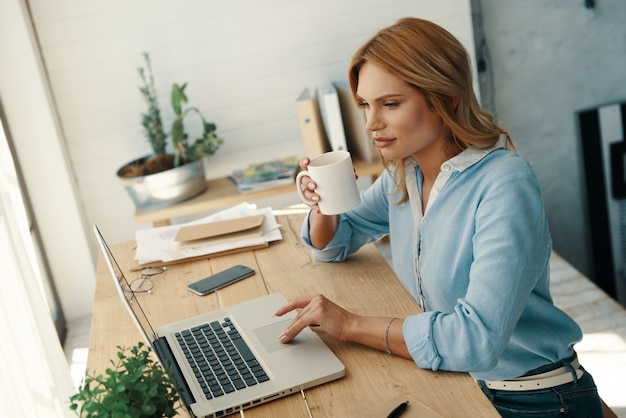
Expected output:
(136, 386)
(183, 150)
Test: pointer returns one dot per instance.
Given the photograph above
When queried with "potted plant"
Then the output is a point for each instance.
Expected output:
(175, 172)
(136, 386)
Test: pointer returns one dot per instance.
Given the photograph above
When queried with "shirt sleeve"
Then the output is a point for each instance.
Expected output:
(367, 223)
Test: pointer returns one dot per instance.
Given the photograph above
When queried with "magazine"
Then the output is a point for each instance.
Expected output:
(266, 175)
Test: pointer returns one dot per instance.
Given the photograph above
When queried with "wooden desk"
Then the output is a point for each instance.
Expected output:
(222, 192)
(364, 284)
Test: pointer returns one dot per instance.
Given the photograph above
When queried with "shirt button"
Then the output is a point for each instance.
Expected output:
(446, 167)
(436, 189)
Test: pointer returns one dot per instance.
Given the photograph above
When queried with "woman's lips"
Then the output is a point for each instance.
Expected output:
(383, 142)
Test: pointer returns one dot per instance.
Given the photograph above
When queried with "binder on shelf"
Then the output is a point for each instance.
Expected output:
(331, 117)
(310, 121)
(359, 140)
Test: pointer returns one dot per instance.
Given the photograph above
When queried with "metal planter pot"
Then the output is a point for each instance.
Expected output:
(165, 188)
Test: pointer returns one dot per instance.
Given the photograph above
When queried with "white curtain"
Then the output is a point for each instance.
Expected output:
(34, 375)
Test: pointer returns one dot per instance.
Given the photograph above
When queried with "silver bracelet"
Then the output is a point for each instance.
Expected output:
(387, 349)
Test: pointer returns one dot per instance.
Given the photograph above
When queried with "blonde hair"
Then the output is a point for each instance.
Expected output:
(434, 62)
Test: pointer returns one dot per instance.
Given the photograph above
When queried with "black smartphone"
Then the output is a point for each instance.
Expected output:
(221, 279)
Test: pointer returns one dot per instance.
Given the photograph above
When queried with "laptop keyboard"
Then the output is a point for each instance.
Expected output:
(220, 358)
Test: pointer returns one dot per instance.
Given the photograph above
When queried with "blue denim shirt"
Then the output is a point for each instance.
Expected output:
(477, 261)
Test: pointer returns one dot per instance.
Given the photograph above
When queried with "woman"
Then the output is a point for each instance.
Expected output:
(469, 237)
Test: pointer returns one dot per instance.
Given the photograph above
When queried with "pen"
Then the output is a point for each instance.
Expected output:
(398, 410)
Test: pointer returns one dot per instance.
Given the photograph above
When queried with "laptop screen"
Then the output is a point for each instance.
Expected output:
(124, 288)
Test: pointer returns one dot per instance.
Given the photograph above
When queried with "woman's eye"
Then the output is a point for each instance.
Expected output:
(391, 104)
(363, 104)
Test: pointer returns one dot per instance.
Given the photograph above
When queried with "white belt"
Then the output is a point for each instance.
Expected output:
(550, 379)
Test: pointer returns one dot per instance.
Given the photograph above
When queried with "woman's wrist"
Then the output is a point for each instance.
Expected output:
(387, 347)
(322, 228)
(352, 333)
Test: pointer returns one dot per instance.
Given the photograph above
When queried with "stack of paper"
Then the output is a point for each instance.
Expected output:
(161, 244)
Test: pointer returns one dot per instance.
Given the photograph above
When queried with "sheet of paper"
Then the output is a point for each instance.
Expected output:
(158, 244)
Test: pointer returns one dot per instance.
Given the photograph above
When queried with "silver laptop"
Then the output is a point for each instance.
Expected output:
(242, 363)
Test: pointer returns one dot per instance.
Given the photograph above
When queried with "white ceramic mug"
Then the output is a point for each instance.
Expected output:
(333, 174)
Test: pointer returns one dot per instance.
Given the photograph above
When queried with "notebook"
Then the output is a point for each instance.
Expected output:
(245, 363)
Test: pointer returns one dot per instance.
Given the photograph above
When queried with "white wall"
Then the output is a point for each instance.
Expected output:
(245, 63)
(33, 126)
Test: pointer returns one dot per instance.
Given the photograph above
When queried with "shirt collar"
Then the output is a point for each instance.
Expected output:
(463, 160)
(471, 156)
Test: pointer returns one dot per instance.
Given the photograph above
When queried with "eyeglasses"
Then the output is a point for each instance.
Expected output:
(144, 283)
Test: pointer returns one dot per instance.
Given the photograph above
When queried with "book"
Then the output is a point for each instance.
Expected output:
(331, 117)
(310, 121)
(360, 142)
(266, 175)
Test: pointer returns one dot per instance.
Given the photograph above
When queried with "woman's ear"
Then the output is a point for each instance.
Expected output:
(454, 102)
(450, 103)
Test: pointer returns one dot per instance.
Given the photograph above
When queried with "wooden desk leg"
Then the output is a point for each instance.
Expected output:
(162, 222)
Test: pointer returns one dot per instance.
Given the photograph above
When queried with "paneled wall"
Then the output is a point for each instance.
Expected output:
(245, 62)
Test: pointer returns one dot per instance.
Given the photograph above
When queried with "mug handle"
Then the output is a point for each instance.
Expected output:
(300, 191)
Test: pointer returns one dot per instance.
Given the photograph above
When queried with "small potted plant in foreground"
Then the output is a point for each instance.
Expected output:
(174, 171)
(136, 386)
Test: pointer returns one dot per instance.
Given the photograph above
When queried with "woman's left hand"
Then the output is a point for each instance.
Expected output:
(317, 311)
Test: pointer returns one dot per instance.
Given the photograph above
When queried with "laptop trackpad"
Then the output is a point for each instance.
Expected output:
(269, 336)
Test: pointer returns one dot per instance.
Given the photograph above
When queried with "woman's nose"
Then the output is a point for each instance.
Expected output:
(373, 122)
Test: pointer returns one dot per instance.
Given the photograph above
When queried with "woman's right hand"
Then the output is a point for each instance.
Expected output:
(308, 186)
(317, 311)
(321, 227)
